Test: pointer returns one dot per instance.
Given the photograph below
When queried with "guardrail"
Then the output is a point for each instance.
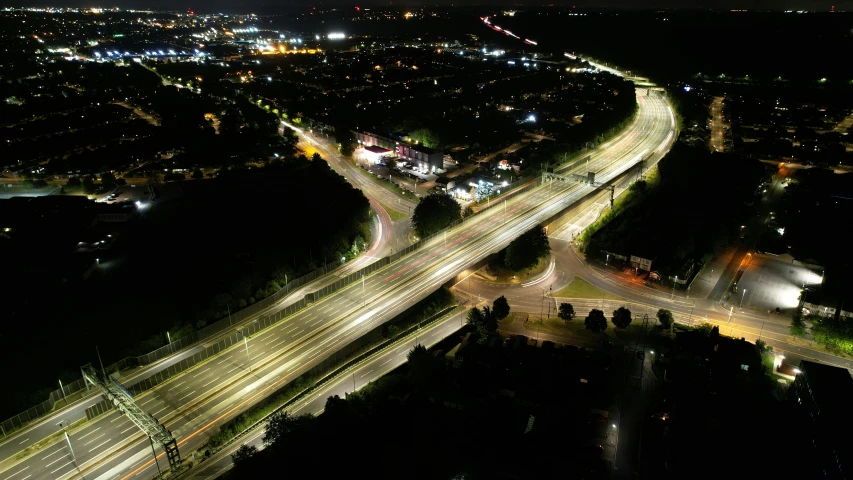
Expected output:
(236, 318)
(336, 372)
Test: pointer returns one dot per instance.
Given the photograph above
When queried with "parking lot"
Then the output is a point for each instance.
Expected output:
(771, 282)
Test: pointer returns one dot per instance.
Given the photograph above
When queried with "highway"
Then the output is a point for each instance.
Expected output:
(194, 404)
(359, 376)
(388, 236)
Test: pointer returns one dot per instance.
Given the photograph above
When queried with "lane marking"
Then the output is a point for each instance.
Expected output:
(99, 446)
(84, 436)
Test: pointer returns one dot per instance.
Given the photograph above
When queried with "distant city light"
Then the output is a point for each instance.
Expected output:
(336, 36)
(531, 118)
(687, 88)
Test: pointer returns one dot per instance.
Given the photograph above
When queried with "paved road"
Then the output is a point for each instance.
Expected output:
(193, 405)
(717, 126)
(358, 377)
(388, 237)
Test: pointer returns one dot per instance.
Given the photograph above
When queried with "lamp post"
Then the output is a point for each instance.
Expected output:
(246, 343)
(673, 288)
(62, 389)
(607, 259)
(742, 296)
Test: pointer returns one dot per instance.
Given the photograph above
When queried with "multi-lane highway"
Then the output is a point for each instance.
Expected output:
(193, 405)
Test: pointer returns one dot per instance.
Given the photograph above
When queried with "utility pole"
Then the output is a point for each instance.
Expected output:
(761, 331)
(169, 338)
(230, 322)
(742, 295)
(364, 298)
(672, 298)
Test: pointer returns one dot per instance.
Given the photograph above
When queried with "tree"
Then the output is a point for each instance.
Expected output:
(566, 312)
(595, 321)
(73, 182)
(121, 181)
(435, 212)
(525, 251)
(243, 454)
(108, 180)
(500, 308)
(425, 136)
(488, 326)
(197, 174)
(279, 426)
(484, 321)
(89, 185)
(474, 317)
(798, 326)
(665, 318)
(621, 318)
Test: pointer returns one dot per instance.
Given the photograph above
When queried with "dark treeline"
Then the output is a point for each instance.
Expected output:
(227, 242)
(692, 214)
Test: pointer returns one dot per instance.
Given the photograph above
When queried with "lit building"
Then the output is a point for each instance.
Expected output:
(427, 159)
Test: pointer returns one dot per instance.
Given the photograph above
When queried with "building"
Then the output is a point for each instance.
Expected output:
(822, 393)
(426, 159)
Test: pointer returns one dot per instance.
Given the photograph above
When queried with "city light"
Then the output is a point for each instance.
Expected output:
(335, 36)
(531, 118)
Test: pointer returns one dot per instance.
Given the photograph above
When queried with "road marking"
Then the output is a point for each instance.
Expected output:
(98, 446)
(187, 395)
(128, 429)
(212, 381)
(24, 440)
(176, 386)
(57, 460)
(93, 431)
(92, 440)
(206, 369)
(366, 374)
(50, 455)
(158, 411)
(60, 468)
(386, 361)
(19, 471)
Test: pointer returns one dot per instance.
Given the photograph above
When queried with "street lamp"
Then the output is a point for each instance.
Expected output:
(246, 343)
(607, 260)
(673, 288)
(742, 297)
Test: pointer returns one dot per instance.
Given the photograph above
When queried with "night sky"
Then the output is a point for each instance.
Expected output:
(247, 6)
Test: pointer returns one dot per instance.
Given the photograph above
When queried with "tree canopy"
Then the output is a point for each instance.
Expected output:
(595, 321)
(566, 312)
(622, 317)
(665, 318)
(435, 212)
(525, 251)
(500, 308)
